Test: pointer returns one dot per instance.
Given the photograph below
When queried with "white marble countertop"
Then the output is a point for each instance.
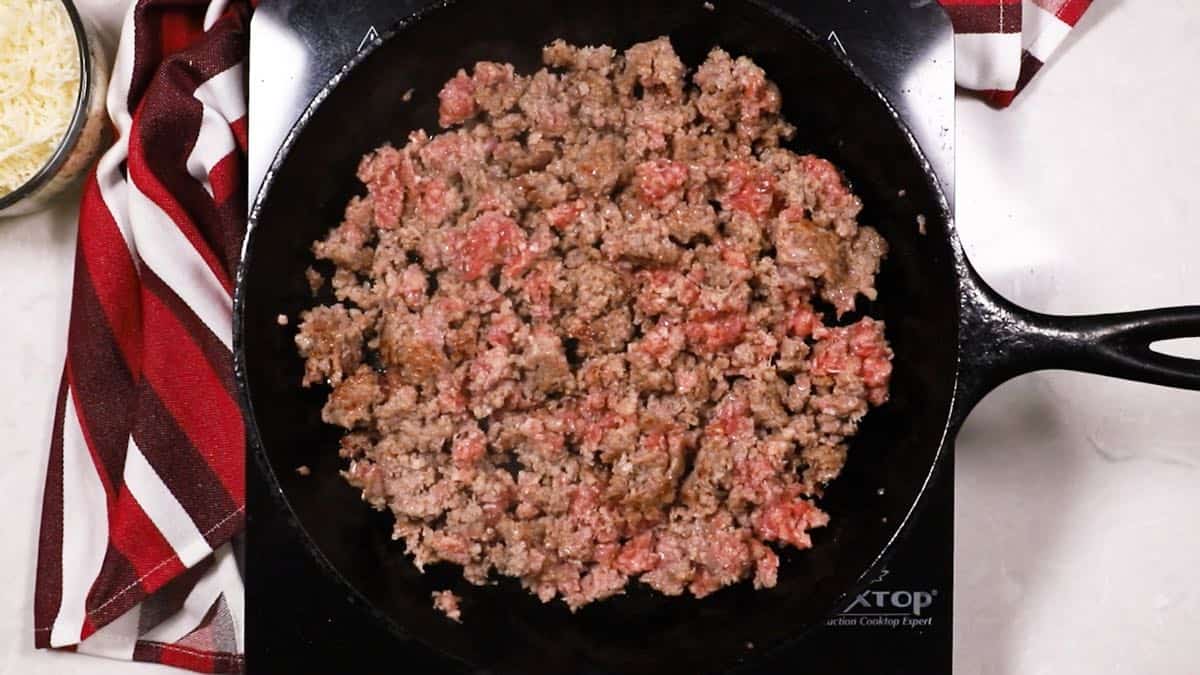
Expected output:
(1077, 538)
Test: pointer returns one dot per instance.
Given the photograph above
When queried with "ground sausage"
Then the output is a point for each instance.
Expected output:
(582, 336)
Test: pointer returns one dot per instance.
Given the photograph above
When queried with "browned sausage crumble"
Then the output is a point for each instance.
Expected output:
(575, 341)
(446, 602)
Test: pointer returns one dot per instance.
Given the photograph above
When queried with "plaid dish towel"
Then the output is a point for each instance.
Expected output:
(145, 488)
(999, 45)
(144, 497)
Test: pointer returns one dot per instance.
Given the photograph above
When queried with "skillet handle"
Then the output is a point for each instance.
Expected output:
(1002, 340)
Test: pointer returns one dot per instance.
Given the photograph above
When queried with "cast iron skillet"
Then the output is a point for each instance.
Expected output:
(954, 338)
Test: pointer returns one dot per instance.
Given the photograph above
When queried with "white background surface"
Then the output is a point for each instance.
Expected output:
(1078, 539)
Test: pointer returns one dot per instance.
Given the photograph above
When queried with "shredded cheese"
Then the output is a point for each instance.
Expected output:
(39, 85)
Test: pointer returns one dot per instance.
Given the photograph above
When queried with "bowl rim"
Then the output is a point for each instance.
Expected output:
(83, 102)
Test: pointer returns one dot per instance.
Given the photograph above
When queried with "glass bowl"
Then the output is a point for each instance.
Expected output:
(84, 136)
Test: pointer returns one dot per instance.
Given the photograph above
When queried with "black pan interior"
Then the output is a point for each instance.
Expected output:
(838, 116)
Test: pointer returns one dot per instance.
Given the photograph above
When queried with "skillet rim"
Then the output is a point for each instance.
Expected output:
(254, 444)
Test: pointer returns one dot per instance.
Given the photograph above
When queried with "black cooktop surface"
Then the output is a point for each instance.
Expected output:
(299, 621)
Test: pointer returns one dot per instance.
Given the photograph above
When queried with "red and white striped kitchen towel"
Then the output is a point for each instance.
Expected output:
(999, 45)
(145, 487)
(145, 491)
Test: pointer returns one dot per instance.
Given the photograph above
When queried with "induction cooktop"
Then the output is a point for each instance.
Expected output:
(299, 621)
